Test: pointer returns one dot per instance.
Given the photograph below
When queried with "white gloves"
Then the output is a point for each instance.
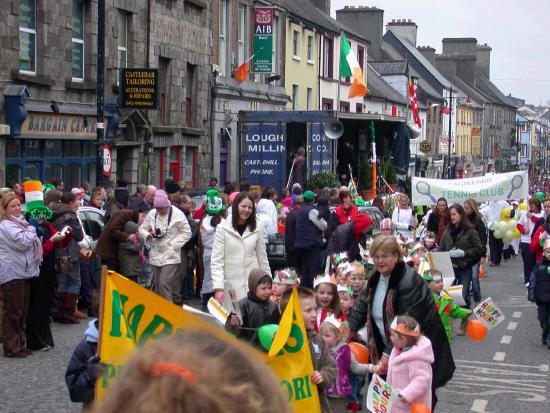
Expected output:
(456, 253)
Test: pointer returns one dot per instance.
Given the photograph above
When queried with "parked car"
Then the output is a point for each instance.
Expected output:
(92, 221)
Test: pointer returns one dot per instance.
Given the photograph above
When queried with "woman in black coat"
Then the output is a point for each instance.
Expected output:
(395, 289)
(347, 236)
(471, 211)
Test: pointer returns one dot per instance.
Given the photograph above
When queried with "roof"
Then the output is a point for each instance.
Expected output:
(306, 11)
(470, 91)
(483, 83)
(396, 67)
(351, 31)
(379, 88)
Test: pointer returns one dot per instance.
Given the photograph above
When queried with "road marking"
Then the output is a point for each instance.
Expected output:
(499, 356)
(505, 339)
(468, 363)
(512, 325)
(517, 314)
(479, 406)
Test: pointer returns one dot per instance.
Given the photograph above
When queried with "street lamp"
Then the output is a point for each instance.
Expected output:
(468, 102)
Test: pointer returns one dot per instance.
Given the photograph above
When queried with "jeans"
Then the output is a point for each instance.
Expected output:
(495, 247)
(476, 287)
(529, 260)
(465, 279)
(70, 282)
(188, 276)
(543, 310)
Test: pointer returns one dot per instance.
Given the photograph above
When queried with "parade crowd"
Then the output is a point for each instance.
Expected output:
(363, 285)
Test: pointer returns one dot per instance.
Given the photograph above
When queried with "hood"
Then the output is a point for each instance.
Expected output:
(254, 279)
(360, 224)
(263, 207)
(59, 209)
(130, 227)
(91, 333)
(422, 351)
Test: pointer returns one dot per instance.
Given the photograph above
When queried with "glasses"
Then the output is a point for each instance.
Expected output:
(384, 257)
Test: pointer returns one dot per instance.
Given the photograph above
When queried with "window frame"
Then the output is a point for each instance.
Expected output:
(296, 44)
(32, 32)
(79, 41)
(310, 49)
(243, 32)
(223, 36)
(328, 63)
(309, 98)
(122, 16)
(295, 92)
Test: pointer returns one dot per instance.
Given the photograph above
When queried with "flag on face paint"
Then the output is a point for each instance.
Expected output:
(414, 103)
(349, 67)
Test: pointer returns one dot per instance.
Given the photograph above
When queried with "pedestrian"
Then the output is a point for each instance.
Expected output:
(266, 206)
(165, 230)
(20, 257)
(328, 300)
(145, 203)
(539, 293)
(409, 367)
(96, 198)
(195, 371)
(439, 219)
(343, 212)
(526, 225)
(138, 196)
(309, 240)
(292, 254)
(471, 211)
(378, 202)
(298, 172)
(256, 309)
(403, 217)
(348, 236)
(493, 210)
(238, 248)
(185, 205)
(283, 279)
(537, 239)
(393, 289)
(119, 202)
(465, 249)
(387, 227)
(130, 252)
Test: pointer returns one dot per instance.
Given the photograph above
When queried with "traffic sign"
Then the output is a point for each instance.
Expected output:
(107, 160)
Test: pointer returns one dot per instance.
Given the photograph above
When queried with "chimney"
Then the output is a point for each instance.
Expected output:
(483, 61)
(367, 21)
(404, 28)
(428, 52)
(460, 45)
(323, 5)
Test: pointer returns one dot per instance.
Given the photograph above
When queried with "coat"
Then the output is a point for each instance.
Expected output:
(481, 232)
(466, 240)
(408, 294)
(114, 234)
(17, 252)
(341, 354)
(167, 249)
(347, 237)
(64, 216)
(448, 309)
(234, 256)
(411, 374)
(129, 257)
(324, 364)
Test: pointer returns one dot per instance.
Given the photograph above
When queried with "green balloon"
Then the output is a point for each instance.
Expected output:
(540, 196)
(266, 333)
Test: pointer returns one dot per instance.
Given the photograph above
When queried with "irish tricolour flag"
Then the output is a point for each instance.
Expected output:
(349, 67)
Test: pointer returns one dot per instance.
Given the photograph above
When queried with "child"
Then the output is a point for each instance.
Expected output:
(428, 242)
(346, 301)
(356, 279)
(256, 308)
(342, 273)
(331, 332)
(283, 280)
(539, 292)
(443, 302)
(130, 256)
(409, 366)
(324, 374)
(327, 298)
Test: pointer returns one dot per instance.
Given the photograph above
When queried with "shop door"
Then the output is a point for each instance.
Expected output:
(224, 157)
(175, 163)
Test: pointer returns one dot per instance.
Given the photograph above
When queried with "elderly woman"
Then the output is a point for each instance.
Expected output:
(20, 258)
(394, 289)
(238, 248)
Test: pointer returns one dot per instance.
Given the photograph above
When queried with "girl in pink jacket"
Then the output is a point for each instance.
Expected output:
(409, 368)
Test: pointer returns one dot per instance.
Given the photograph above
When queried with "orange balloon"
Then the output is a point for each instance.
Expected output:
(360, 352)
(420, 408)
(476, 330)
(481, 272)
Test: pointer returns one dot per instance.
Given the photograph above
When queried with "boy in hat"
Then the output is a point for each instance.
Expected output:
(443, 302)
(539, 292)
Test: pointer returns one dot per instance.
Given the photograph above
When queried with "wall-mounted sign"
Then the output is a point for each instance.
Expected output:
(476, 140)
(139, 88)
(425, 146)
(263, 40)
(55, 126)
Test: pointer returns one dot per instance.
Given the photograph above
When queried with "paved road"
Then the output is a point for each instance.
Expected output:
(507, 372)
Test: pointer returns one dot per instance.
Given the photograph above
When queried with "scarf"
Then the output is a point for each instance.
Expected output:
(36, 242)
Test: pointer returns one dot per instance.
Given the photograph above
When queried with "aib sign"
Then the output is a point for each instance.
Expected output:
(107, 156)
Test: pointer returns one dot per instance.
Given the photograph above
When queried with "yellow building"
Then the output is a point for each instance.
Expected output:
(464, 123)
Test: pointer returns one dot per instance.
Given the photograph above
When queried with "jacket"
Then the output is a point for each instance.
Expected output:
(342, 215)
(307, 235)
(63, 216)
(17, 252)
(194, 226)
(175, 232)
(234, 256)
(448, 309)
(341, 354)
(290, 229)
(466, 240)
(129, 253)
(408, 294)
(535, 245)
(324, 364)
(114, 234)
(539, 285)
(347, 237)
(267, 208)
(481, 232)
(411, 374)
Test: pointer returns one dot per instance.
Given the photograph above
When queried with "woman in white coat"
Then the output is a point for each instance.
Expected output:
(238, 248)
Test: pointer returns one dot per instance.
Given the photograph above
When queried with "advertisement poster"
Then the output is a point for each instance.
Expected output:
(263, 40)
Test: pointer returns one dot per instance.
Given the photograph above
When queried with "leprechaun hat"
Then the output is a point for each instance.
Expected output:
(34, 200)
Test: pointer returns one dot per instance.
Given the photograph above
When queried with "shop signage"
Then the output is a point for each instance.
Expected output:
(107, 160)
(476, 141)
(263, 40)
(139, 88)
(320, 149)
(425, 146)
(55, 126)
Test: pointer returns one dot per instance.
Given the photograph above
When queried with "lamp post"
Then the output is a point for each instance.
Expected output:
(100, 92)
(449, 142)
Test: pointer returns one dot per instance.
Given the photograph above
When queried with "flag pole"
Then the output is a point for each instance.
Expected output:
(103, 275)
(338, 93)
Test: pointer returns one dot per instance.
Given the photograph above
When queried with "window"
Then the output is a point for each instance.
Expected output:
(189, 162)
(89, 173)
(78, 41)
(13, 173)
(222, 37)
(189, 92)
(310, 48)
(122, 39)
(243, 32)
(361, 57)
(309, 98)
(164, 66)
(32, 149)
(344, 106)
(523, 151)
(72, 149)
(53, 170)
(27, 36)
(327, 57)
(73, 177)
(275, 47)
(295, 44)
(326, 104)
(359, 108)
(294, 97)
(53, 149)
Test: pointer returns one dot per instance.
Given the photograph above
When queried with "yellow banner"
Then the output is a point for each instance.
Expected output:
(290, 359)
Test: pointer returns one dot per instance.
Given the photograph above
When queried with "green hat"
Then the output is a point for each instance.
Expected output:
(214, 203)
(540, 195)
(359, 202)
(34, 200)
(432, 275)
(309, 196)
(47, 188)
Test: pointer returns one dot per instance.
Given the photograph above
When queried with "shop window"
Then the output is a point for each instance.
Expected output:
(53, 149)
(53, 170)
(189, 166)
(73, 177)
(78, 41)
(72, 149)
(32, 148)
(89, 173)
(88, 149)
(13, 174)
(13, 148)
(32, 170)
(27, 36)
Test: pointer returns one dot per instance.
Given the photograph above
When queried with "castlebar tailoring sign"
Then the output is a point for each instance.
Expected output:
(263, 40)
(139, 88)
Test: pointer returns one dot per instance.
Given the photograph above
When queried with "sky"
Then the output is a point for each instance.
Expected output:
(517, 31)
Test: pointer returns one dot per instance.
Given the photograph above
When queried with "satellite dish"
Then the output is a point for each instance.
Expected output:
(334, 129)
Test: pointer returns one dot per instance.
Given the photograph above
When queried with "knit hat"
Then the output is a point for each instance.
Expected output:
(214, 202)
(232, 197)
(309, 196)
(34, 200)
(540, 195)
(286, 276)
(171, 186)
(386, 223)
(161, 199)
(76, 191)
(361, 222)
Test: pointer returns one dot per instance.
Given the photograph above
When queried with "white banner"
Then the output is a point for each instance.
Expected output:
(511, 185)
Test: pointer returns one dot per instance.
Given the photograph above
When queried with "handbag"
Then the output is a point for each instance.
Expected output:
(62, 263)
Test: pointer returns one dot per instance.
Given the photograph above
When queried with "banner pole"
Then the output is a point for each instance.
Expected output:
(101, 305)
